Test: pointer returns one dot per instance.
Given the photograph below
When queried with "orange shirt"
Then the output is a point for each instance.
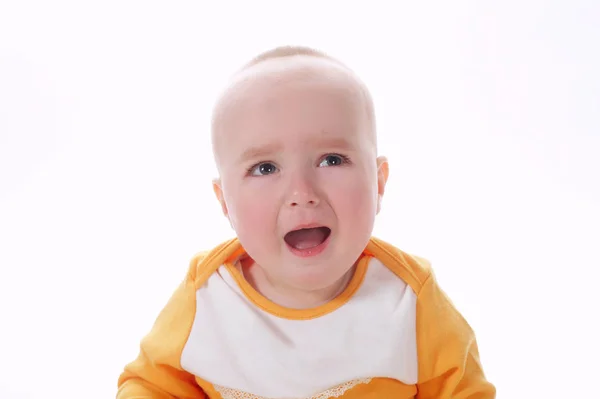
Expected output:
(392, 333)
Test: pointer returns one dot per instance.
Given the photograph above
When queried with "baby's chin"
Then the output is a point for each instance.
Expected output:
(316, 277)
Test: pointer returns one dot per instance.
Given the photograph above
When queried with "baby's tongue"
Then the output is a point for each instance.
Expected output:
(306, 238)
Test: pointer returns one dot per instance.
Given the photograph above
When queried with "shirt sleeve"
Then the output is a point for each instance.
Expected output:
(449, 364)
(157, 371)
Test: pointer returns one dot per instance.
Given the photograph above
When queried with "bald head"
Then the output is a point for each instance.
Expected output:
(287, 52)
(286, 67)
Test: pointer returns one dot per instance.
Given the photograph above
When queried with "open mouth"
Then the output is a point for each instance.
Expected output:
(302, 239)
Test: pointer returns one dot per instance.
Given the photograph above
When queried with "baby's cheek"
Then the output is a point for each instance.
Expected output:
(255, 215)
(358, 196)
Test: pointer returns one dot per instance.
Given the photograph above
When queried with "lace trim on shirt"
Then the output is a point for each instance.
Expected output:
(335, 392)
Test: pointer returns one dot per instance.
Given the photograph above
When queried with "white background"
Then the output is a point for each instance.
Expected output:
(488, 112)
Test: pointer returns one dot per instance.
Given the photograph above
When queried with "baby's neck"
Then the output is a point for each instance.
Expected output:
(289, 297)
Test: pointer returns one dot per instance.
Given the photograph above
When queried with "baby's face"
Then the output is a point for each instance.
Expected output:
(295, 151)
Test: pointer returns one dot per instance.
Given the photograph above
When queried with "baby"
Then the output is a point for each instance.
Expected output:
(304, 302)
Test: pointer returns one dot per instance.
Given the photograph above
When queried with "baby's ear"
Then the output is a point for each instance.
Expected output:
(219, 193)
(383, 172)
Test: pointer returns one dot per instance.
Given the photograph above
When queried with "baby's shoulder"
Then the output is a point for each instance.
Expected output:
(204, 263)
(414, 270)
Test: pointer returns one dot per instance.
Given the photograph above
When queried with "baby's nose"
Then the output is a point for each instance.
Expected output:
(303, 197)
(300, 201)
(301, 190)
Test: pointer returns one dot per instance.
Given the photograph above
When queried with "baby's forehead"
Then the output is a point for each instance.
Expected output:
(265, 78)
(258, 79)
(259, 82)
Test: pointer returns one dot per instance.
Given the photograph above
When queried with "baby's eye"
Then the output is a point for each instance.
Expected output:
(263, 169)
(333, 160)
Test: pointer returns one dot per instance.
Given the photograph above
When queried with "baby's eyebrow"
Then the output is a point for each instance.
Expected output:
(260, 152)
(331, 142)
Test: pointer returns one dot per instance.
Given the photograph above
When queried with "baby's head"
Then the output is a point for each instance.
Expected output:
(295, 143)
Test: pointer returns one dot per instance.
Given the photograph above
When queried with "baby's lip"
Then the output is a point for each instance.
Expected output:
(308, 226)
